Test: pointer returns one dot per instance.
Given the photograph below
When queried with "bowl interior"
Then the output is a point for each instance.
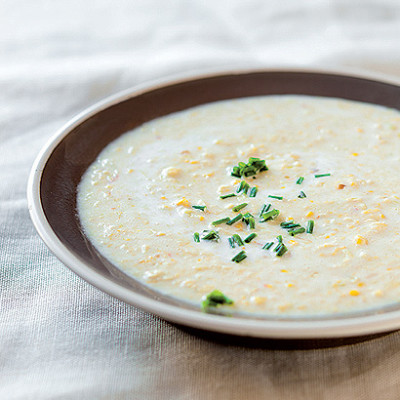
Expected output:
(84, 141)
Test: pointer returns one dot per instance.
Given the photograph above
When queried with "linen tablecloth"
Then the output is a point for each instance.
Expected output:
(60, 338)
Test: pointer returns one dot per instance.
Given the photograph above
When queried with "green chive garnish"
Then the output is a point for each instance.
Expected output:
(253, 192)
(296, 231)
(265, 208)
(269, 215)
(239, 207)
(202, 208)
(289, 225)
(196, 237)
(275, 197)
(238, 239)
(267, 245)
(221, 221)
(236, 219)
(239, 257)
(249, 219)
(231, 243)
(321, 175)
(251, 168)
(215, 299)
(243, 187)
(226, 196)
(280, 250)
(301, 195)
(300, 180)
(310, 226)
(210, 235)
(250, 237)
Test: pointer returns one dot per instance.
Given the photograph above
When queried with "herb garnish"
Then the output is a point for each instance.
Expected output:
(267, 245)
(239, 257)
(280, 249)
(253, 192)
(276, 197)
(238, 239)
(239, 207)
(302, 195)
(231, 243)
(310, 226)
(250, 237)
(202, 208)
(296, 231)
(236, 219)
(215, 299)
(249, 220)
(210, 235)
(243, 187)
(251, 168)
(321, 175)
(300, 180)
(226, 196)
(265, 208)
(221, 221)
(269, 215)
(196, 237)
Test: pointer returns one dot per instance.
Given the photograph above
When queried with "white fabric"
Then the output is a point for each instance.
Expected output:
(60, 338)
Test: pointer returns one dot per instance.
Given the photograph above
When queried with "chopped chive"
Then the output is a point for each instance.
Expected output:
(243, 187)
(289, 225)
(252, 223)
(238, 239)
(253, 192)
(310, 226)
(300, 180)
(221, 221)
(215, 299)
(279, 238)
(267, 245)
(231, 243)
(280, 250)
(239, 207)
(226, 196)
(196, 237)
(210, 235)
(296, 231)
(250, 237)
(276, 197)
(265, 208)
(253, 166)
(202, 208)
(234, 220)
(239, 257)
(302, 195)
(321, 175)
(269, 215)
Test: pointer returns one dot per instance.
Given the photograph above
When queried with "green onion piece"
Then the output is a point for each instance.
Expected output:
(280, 250)
(239, 257)
(215, 299)
(279, 238)
(196, 237)
(296, 231)
(221, 221)
(310, 226)
(251, 168)
(238, 239)
(243, 187)
(250, 237)
(321, 175)
(267, 245)
(202, 208)
(275, 197)
(301, 195)
(239, 207)
(236, 219)
(226, 196)
(265, 208)
(252, 223)
(289, 225)
(253, 192)
(300, 180)
(236, 172)
(210, 235)
(231, 243)
(269, 215)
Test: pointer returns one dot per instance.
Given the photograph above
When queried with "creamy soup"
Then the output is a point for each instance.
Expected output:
(307, 224)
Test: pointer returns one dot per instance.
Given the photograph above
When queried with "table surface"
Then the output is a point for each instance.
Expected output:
(60, 338)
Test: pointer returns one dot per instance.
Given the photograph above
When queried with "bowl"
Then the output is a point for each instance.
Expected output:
(58, 169)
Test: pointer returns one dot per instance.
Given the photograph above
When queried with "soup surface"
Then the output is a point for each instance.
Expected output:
(324, 206)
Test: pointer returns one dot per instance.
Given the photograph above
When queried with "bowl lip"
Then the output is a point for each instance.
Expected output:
(277, 329)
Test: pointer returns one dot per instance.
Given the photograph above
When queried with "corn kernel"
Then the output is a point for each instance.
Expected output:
(354, 292)
(183, 202)
(360, 240)
(309, 214)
